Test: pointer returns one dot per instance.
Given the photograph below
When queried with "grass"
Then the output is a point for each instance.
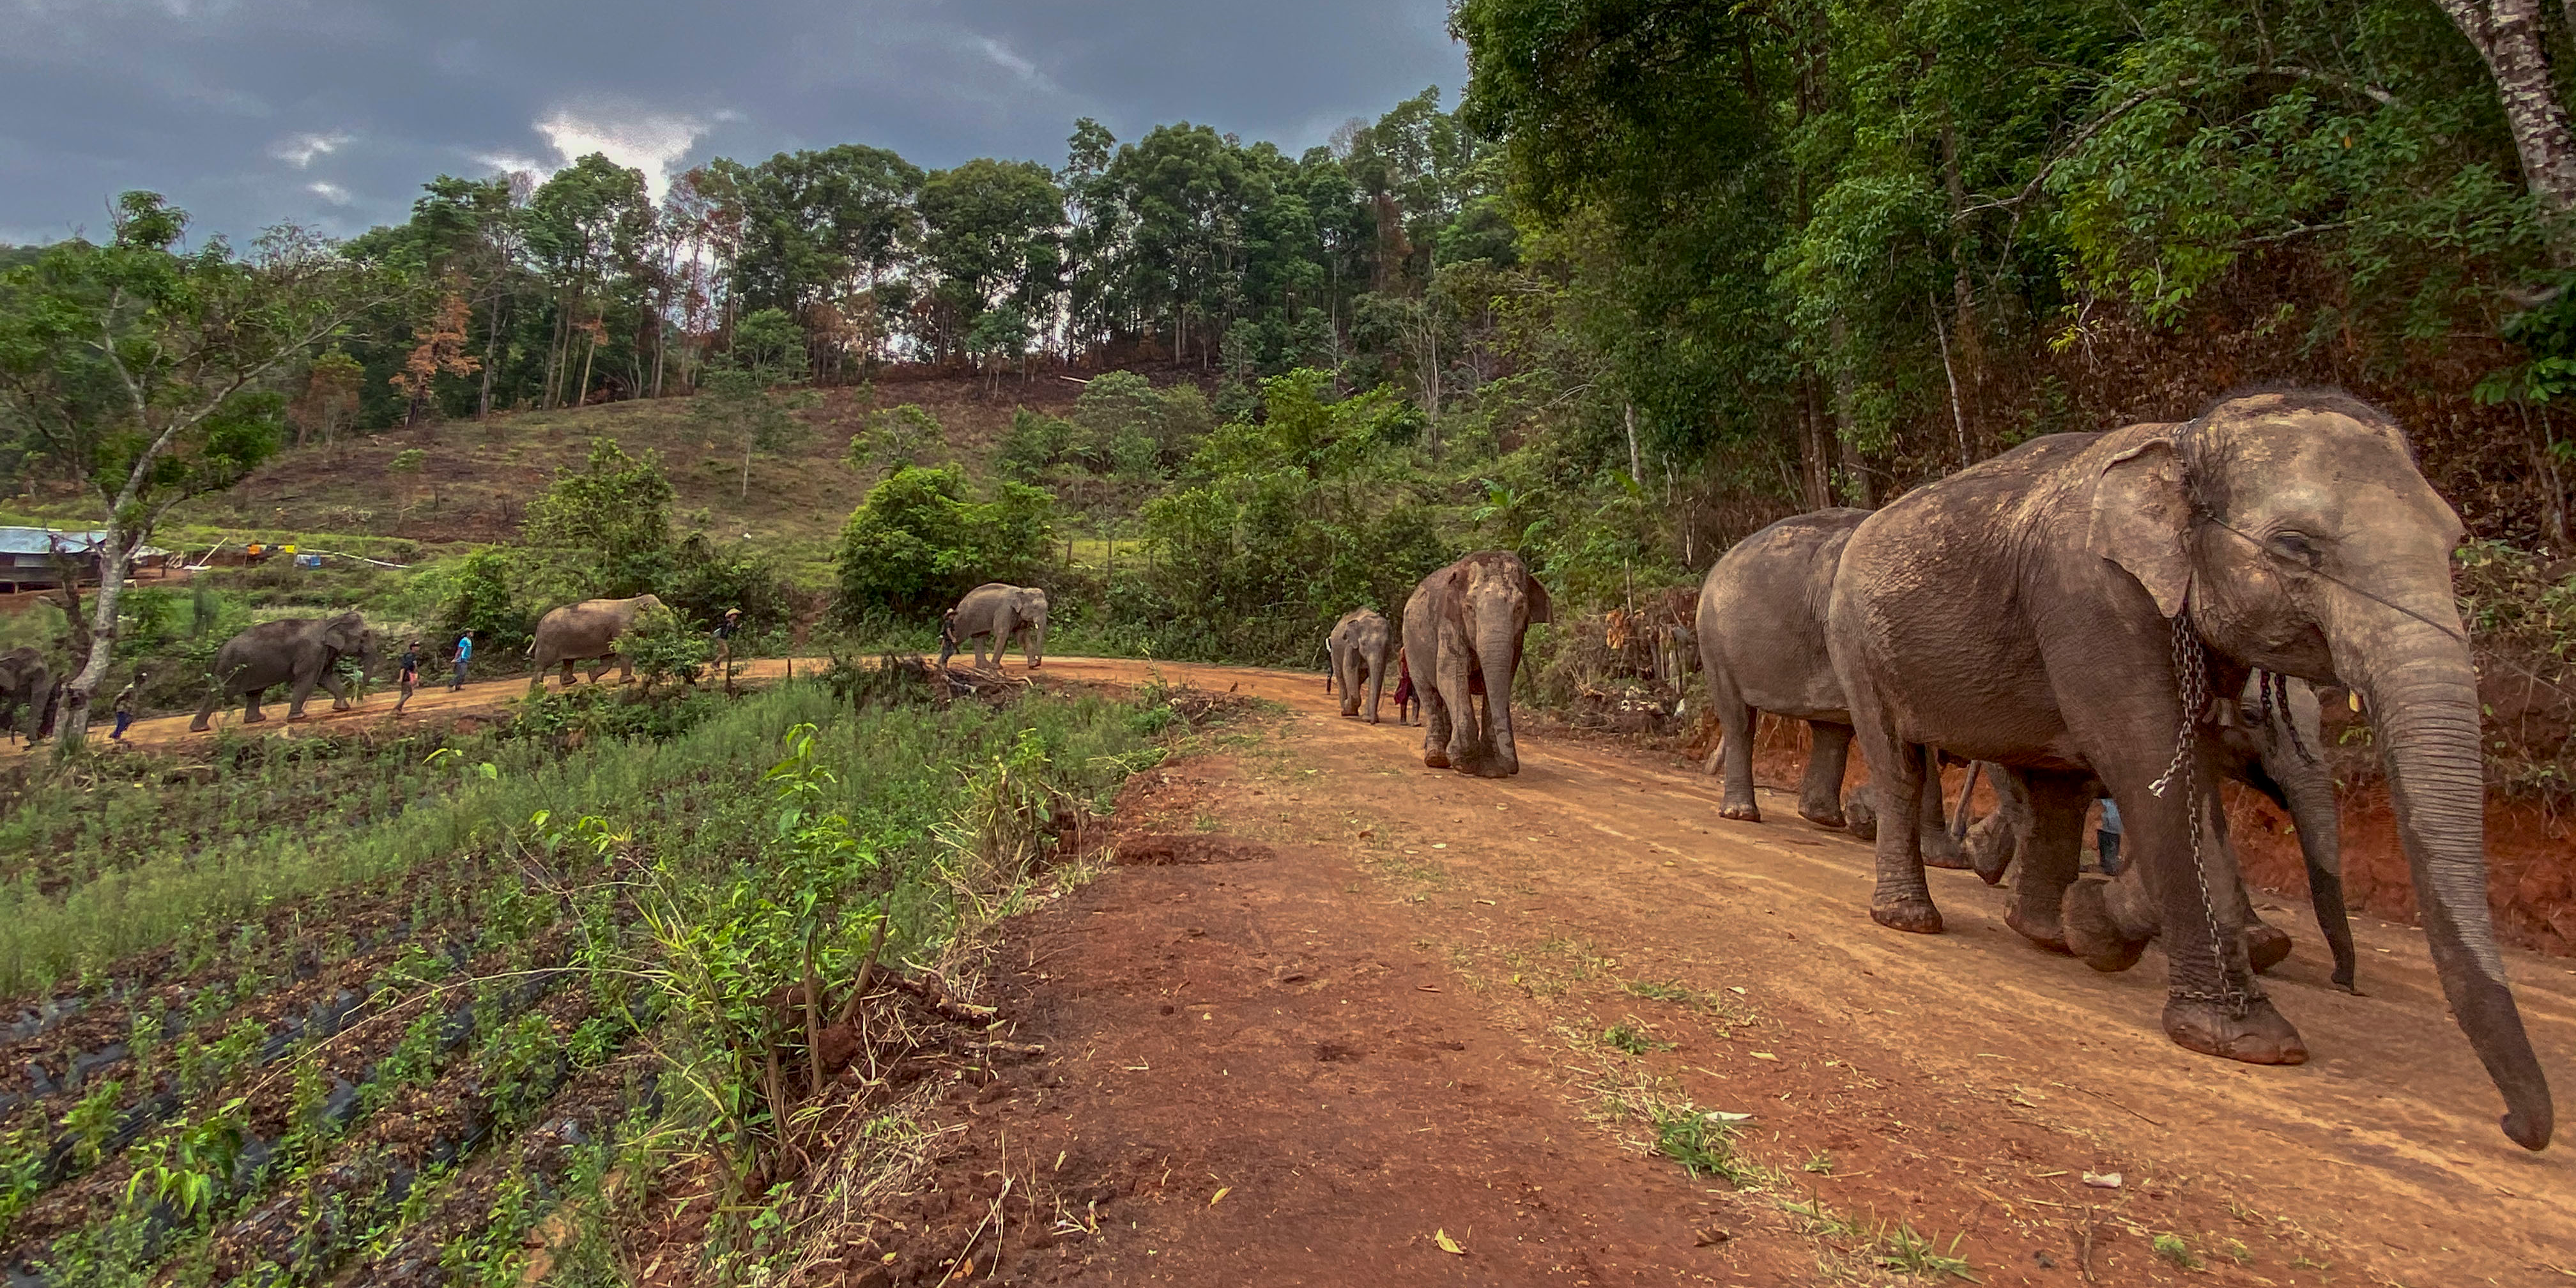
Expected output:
(1629, 1037)
(1888, 1245)
(1704, 1145)
(2172, 1247)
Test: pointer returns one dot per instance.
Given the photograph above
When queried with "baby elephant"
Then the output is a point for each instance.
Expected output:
(1358, 647)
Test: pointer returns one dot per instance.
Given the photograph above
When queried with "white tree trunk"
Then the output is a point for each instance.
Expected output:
(114, 552)
(2509, 36)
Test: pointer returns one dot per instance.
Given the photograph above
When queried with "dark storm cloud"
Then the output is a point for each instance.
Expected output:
(249, 112)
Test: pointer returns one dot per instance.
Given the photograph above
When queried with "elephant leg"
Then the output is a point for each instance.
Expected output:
(1820, 797)
(598, 668)
(1940, 849)
(567, 673)
(251, 714)
(339, 692)
(1348, 667)
(1998, 837)
(1466, 729)
(296, 694)
(2050, 853)
(1735, 725)
(205, 711)
(1503, 751)
(625, 669)
(1901, 898)
(2266, 946)
(1435, 719)
(1377, 687)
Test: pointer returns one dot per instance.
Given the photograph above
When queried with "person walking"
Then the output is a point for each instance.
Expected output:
(1404, 697)
(125, 699)
(410, 673)
(2106, 838)
(464, 654)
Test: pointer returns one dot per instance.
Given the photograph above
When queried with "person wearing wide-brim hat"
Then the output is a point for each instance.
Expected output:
(724, 642)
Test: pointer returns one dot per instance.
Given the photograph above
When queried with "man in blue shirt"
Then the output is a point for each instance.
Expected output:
(464, 654)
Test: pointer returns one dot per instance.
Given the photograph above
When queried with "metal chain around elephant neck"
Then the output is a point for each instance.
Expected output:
(2191, 676)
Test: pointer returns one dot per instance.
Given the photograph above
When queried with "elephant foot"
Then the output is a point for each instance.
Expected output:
(1435, 760)
(1948, 860)
(1861, 817)
(1372, 719)
(1989, 862)
(2092, 934)
(1741, 813)
(197, 725)
(255, 717)
(2047, 932)
(1913, 916)
(2267, 946)
(2260, 1036)
(1822, 815)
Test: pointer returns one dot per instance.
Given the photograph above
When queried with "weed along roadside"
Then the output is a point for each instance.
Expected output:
(463, 1009)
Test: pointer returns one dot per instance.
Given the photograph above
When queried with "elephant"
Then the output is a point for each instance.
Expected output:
(300, 652)
(1359, 650)
(25, 681)
(2070, 608)
(2268, 742)
(1761, 629)
(587, 632)
(1469, 619)
(1001, 611)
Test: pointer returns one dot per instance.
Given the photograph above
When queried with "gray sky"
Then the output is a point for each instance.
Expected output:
(332, 112)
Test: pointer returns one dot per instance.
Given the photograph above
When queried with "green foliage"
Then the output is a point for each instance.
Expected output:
(664, 646)
(615, 511)
(479, 600)
(918, 542)
(897, 438)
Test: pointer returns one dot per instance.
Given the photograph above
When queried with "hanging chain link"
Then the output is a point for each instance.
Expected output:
(2191, 676)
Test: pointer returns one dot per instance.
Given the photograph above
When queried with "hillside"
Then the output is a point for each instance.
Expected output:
(476, 479)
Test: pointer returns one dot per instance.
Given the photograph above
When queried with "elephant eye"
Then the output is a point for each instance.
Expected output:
(2296, 546)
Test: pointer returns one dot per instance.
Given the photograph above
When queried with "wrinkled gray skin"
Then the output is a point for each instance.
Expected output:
(1465, 624)
(2020, 612)
(2109, 923)
(1761, 629)
(587, 632)
(997, 611)
(299, 652)
(1360, 652)
(27, 684)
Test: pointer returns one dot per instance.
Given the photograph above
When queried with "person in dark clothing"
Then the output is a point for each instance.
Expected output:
(724, 644)
(125, 699)
(2106, 839)
(410, 673)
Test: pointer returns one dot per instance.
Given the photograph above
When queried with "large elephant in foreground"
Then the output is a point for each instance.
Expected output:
(2268, 740)
(588, 632)
(26, 684)
(1360, 653)
(1463, 629)
(2071, 608)
(999, 611)
(299, 652)
(1762, 645)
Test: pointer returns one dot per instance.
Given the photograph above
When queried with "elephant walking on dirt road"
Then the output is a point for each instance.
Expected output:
(588, 632)
(999, 611)
(1463, 627)
(300, 652)
(2071, 608)
(1359, 651)
(1761, 630)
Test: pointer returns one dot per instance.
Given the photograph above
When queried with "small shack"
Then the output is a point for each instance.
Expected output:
(36, 558)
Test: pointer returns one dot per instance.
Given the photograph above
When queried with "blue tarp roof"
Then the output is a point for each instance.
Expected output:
(37, 541)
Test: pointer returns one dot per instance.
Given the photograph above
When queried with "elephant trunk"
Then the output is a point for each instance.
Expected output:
(2422, 694)
(2307, 792)
(1498, 653)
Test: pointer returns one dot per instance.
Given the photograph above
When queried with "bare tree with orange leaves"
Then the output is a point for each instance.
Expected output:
(441, 352)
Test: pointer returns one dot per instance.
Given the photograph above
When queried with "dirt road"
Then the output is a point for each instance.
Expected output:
(1343, 1006)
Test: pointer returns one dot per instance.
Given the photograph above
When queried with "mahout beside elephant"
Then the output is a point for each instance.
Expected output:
(998, 611)
(299, 652)
(1463, 626)
(1761, 628)
(588, 632)
(2271, 742)
(1358, 649)
(2071, 608)
(27, 684)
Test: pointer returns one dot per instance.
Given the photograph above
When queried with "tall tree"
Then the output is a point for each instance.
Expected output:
(144, 371)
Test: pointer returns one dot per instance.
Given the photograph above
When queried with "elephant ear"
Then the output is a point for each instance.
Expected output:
(2141, 515)
(1540, 610)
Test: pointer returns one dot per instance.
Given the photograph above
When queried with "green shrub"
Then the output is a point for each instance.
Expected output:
(919, 542)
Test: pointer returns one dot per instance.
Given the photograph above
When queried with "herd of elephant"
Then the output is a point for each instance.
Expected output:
(301, 654)
(2136, 615)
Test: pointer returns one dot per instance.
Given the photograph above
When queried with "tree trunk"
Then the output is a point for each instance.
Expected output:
(113, 553)
(2509, 36)
(1815, 447)
(491, 355)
